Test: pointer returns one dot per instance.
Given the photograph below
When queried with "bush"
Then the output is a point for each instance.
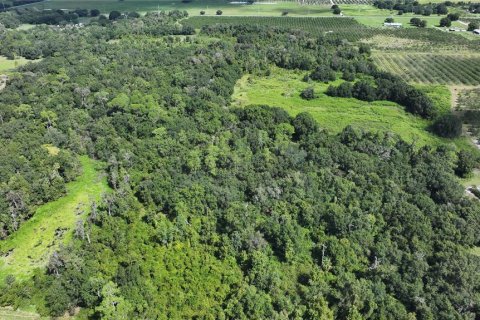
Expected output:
(362, 90)
(389, 20)
(202, 13)
(308, 94)
(473, 25)
(94, 12)
(114, 15)
(337, 11)
(445, 22)
(284, 13)
(465, 163)
(219, 12)
(453, 16)
(448, 126)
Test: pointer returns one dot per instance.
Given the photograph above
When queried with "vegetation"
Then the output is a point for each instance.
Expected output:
(225, 212)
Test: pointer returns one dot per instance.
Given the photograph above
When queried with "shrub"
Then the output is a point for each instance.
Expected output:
(114, 15)
(389, 20)
(219, 12)
(202, 13)
(448, 126)
(473, 25)
(308, 94)
(445, 22)
(337, 11)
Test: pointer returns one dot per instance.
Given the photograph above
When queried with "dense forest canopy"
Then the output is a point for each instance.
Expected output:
(224, 213)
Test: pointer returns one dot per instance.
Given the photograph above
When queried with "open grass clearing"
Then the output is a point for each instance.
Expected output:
(51, 225)
(282, 89)
(8, 64)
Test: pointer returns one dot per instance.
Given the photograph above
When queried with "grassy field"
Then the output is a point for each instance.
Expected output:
(8, 65)
(193, 8)
(10, 314)
(282, 89)
(432, 68)
(53, 223)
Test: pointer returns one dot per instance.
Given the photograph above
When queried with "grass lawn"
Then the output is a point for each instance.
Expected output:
(10, 314)
(33, 243)
(8, 65)
(282, 89)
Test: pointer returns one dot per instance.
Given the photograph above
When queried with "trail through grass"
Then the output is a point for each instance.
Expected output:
(52, 224)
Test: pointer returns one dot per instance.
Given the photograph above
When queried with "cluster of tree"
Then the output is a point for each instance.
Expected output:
(474, 7)
(52, 17)
(228, 213)
(418, 22)
(412, 6)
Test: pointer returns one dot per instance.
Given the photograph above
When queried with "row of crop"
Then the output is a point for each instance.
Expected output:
(431, 68)
(341, 28)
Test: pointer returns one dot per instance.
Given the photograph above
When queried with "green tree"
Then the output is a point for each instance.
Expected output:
(113, 305)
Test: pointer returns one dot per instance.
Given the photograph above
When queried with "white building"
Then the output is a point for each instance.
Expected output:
(392, 24)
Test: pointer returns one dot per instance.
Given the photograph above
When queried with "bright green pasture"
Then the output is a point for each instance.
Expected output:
(282, 89)
(194, 7)
(52, 224)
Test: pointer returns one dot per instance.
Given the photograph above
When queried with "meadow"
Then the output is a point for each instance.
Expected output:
(8, 65)
(52, 224)
(283, 87)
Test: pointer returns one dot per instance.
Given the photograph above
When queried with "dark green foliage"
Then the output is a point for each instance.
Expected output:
(308, 94)
(448, 126)
(445, 22)
(473, 25)
(219, 12)
(221, 213)
(114, 15)
(465, 163)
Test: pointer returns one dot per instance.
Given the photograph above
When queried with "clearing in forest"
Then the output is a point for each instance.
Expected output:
(52, 224)
(283, 87)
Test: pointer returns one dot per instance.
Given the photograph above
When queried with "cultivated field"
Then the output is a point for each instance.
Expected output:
(52, 224)
(432, 68)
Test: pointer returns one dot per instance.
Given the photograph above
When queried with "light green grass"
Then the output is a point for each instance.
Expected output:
(193, 8)
(282, 89)
(8, 65)
(35, 240)
(475, 251)
(10, 314)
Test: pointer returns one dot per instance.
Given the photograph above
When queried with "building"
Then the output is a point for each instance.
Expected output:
(392, 24)
(476, 31)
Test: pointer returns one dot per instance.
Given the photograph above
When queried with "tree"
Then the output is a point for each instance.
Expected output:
(362, 90)
(114, 15)
(445, 22)
(448, 126)
(422, 24)
(337, 11)
(466, 161)
(389, 20)
(453, 16)
(94, 12)
(415, 21)
(308, 94)
(113, 305)
(219, 12)
(202, 13)
(473, 25)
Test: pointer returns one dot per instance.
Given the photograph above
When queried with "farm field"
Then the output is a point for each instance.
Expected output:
(431, 68)
(193, 8)
(52, 224)
(283, 89)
